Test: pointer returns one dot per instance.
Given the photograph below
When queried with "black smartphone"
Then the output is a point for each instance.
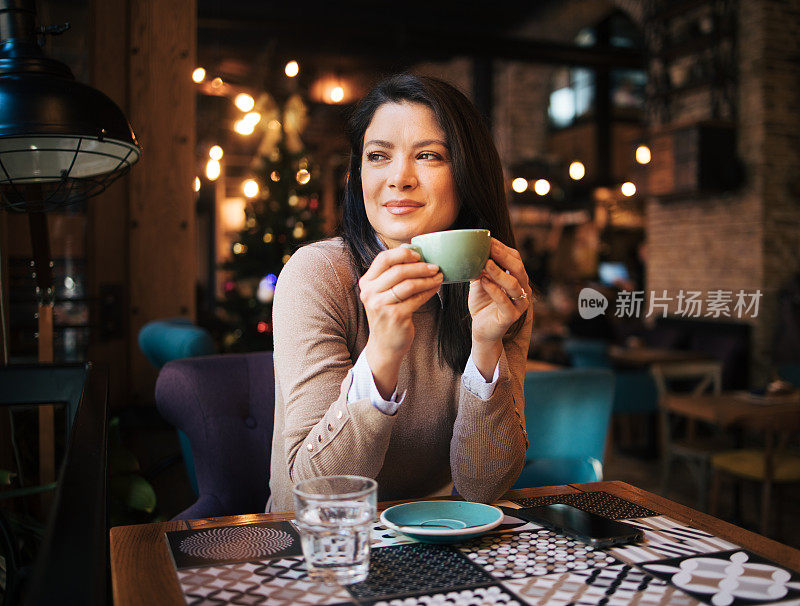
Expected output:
(587, 527)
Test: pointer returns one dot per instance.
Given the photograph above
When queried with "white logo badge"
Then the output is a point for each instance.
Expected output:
(591, 303)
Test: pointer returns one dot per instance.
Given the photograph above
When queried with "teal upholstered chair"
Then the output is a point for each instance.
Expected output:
(567, 413)
(635, 391)
(162, 341)
(587, 353)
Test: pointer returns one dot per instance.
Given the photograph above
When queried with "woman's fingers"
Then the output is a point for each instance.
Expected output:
(397, 276)
(505, 305)
(388, 258)
(507, 282)
(508, 258)
(408, 288)
(412, 303)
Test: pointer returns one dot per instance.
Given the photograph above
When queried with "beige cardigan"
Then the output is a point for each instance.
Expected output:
(441, 432)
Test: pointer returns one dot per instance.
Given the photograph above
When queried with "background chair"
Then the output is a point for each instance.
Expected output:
(635, 391)
(679, 437)
(225, 405)
(567, 413)
(775, 463)
(162, 341)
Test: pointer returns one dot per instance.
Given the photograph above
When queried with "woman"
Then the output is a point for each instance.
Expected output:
(381, 371)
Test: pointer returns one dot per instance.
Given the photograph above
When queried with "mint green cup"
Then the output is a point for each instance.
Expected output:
(460, 253)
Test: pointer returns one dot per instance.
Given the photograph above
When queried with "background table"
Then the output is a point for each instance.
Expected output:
(143, 573)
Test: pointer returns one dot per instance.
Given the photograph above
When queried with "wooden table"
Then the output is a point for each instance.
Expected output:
(541, 365)
(644, 357)
(142, 571)
(732, 407)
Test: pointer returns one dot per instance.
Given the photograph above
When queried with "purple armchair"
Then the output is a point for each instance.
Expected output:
(225, 405)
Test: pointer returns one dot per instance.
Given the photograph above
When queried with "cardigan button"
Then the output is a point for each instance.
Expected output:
(339, 414)
(310, 446)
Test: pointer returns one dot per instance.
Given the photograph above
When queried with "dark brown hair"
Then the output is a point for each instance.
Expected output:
(478, 178)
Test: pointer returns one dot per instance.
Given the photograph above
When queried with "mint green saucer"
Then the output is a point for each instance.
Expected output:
(442, 521)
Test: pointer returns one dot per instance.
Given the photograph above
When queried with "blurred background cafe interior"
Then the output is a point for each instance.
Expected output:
(651, 152)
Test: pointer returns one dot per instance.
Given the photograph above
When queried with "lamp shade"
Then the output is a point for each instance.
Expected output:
(61, 141)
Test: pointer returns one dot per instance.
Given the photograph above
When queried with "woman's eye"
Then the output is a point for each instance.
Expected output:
(375, 156)
(429, 156)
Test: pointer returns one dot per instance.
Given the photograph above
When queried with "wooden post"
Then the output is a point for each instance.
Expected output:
(163, 259)
(143, 233)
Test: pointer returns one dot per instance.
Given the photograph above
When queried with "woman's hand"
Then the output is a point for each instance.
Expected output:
(496, 300)
(394, 287)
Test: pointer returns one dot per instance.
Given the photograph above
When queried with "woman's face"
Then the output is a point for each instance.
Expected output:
(406, 174)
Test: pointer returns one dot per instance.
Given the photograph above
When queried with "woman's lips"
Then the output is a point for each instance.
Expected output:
(402, 207)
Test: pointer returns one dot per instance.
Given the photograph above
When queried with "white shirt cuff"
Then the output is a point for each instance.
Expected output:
(363, 387)
(475, 383)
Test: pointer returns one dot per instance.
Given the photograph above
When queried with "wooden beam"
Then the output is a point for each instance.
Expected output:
(396, 45)
(107, 213)
(163, 251)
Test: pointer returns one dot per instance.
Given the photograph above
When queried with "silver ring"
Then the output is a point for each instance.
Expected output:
(396, 298)
(524, 295)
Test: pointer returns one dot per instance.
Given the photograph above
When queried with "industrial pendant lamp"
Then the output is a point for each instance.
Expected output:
(60, 141)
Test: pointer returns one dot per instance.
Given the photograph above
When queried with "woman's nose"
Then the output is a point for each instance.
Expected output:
(403, 176)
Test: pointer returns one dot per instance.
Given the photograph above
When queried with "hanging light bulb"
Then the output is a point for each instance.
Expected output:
(337, 94)
(250, 188)
(519, 185)
(244, 127)
(303, 176)
(577, 171)
(541, 187)
(197, 184)
(198, 75)
(628, 189)
(215, 153)
(292, 69)
(213, 170)
(643, 154)
(252, 118)
(244, 102)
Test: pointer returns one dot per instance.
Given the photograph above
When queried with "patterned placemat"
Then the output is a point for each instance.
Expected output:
(281, 582)
(229, 544)
(617, 584)
(475, 596)
(600, 503)
(418, 568)
(666, 538)
(532, 553)
(730, 578)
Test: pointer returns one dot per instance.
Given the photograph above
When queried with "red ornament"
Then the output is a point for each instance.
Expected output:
(313, 204)
(230, 285)
(262, 326)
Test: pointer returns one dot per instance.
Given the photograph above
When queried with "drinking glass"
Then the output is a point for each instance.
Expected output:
(335, 515)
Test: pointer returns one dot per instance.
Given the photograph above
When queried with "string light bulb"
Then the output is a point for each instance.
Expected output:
(252, 118)
(250, 188)
(198, 75)
(215, 153)
(303, 176)
(643, 154)
(628, 189)
(197, 184)
(541, 187)
(292, 69)
(577, 171)
(519, 185)
(244, 127)
(337, 94)
(213, 170)
(244, 102)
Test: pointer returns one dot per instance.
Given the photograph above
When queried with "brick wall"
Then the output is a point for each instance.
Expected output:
(750, 239)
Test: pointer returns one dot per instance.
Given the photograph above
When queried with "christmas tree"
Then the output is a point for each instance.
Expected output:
(283, 216)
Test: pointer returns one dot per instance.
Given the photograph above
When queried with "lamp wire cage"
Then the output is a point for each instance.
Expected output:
(51, 192)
